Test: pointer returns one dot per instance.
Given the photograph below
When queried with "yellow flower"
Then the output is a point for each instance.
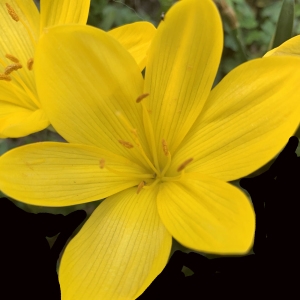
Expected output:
(160, 149)
(290, 47)
(22, 25)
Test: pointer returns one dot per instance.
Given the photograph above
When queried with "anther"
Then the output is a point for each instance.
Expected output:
(29, 64)
(140, 186)
(165, 147)
(11, 68)
(141, 97)
(5, 77)
(126, 144)
(101, 163)
(12, 12)
(184, 164)
(12, 58)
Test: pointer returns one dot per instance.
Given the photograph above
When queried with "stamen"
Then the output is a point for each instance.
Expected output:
(166, 167)
(153, 184)
(141, 97)
(126, 144)
(5, 77)
(150, 136)
(16, 18)
(12, 12)
(102, 163)
(184, 164)
(165, 147)
(11, 68)
(30, 64)
(175, 178)
(140, 186)
(136, 139)
(12, 58)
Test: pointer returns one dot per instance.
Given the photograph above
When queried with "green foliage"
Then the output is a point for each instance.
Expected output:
(257, 20)
(284, 27)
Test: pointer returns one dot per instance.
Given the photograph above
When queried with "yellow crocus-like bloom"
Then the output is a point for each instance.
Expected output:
(160, 149)
(22, 25)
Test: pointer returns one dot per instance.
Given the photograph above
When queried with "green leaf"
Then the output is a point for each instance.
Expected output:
(285, 23)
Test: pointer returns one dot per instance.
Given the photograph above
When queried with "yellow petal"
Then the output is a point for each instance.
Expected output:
(58, 12)
(182, 64)
(90, 95)
(12, 94)
(119, 251)
(290, 47)
(16, 121)
(18, 39)
(30, 11)
(246, 121)
(60, 174)
(136, 38)
(206, 214)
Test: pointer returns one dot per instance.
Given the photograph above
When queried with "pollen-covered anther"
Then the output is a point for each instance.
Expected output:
(140, 186)
(141, 97)
(11, 68)
(12, 12)
(101, 163)
(126, 144)
(5, 77)
(30, 64)
(165, 147)
(184, 164)
(12, 58)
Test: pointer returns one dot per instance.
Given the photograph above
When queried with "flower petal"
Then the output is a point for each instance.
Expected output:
(90, 95)
(290, 47)
(16, 121)
(60, 174)
(30, 11)
(18, 39)
(183, 60)
(136, 38)
(58, 12)
(246, 121)
(206, 214)
(119, 251)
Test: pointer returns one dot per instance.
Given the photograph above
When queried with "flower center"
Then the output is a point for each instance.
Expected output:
(12, 64)
(157, 174)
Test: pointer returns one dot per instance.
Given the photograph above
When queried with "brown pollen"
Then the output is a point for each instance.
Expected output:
(11, 68)
(12, 58)
(12, 12)
(141, 97)
(30, 64)
(184, 164)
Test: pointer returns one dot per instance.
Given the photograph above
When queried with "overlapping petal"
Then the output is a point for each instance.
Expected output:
(246, 120)
(290, 47)
(121, 248)
(16, 121)
(183, 60)
(206, 214)
(60, 174)
(90, 95)
(136, 39)
(58, 12)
